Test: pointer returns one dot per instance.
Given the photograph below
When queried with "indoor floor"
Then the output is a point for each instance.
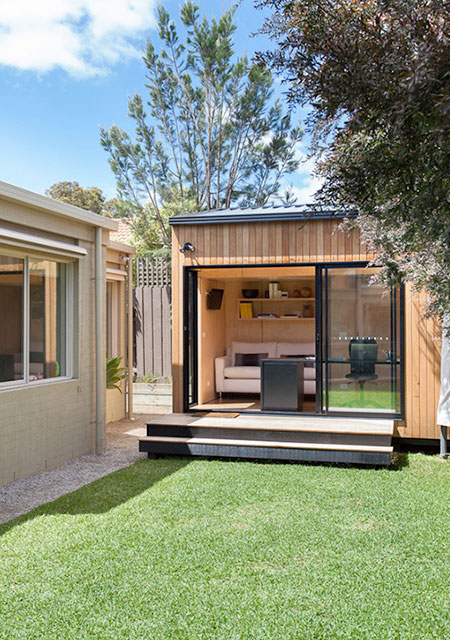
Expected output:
(241, 403)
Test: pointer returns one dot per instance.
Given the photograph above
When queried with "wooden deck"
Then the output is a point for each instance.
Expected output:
(318, 439)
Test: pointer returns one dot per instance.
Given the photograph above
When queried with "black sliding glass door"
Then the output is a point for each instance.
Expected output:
(190, 355)
(359, 343)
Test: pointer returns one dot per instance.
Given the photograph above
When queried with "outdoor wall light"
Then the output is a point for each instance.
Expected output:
(187, 247)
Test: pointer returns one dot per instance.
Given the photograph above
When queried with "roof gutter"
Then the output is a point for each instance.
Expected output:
(236, 217)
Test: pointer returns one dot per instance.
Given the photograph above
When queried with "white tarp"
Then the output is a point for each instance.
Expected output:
(443, 415)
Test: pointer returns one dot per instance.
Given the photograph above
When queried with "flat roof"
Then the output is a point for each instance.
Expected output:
(267, 213)
(16, 194)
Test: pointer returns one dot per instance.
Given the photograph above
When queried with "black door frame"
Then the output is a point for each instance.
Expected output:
(190, 348)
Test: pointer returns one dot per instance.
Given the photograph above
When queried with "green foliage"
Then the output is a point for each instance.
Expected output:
(90, 198)
(145, 226)
(189, 549)
(149, 378)
(377, 75)
(114, 373)
(209, 133)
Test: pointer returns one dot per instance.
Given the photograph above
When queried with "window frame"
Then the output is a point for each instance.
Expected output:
(114, 314)
(69, 278)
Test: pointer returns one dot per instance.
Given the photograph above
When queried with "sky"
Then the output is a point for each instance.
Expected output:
(67, 68)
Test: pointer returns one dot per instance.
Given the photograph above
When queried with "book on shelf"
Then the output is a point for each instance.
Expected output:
(267, 315)
(246, 310)
(274, 290)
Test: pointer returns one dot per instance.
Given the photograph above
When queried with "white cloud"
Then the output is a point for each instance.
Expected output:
(309, 183)
(82, 37)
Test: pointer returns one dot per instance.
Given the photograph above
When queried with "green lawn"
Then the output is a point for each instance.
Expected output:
(369, 399)
(179, 549)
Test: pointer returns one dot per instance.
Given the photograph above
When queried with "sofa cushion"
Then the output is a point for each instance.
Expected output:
(248, 359)
(253, 347)
(309, 373)
(242, 372)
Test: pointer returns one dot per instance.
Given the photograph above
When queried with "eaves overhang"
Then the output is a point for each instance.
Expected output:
(262, 214)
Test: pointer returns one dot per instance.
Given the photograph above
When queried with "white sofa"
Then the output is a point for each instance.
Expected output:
(247, 379)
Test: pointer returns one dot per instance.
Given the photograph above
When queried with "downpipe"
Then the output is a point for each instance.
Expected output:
(100, 366)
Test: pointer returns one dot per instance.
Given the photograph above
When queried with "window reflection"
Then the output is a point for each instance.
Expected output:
(47, 319)
(363, 342)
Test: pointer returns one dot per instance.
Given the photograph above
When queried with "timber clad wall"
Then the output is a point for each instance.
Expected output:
(270, 242)
(309, 241)
(422, 369)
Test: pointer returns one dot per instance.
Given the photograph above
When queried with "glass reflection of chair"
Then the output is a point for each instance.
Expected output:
(363, 357)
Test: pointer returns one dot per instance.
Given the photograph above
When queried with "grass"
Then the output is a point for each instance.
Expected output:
(369, 399)
(178, 549)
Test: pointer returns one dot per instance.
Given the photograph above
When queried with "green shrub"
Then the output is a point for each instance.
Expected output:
(114, 373)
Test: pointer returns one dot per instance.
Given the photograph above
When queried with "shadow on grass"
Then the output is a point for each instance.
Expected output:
(104, 494)
(399, 461)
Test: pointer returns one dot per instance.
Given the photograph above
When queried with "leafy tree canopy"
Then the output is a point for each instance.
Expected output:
(208, 134)
(377, 75)
(89, 198)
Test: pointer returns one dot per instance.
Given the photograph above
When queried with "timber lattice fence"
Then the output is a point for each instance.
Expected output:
(153, 272)
(152, 317)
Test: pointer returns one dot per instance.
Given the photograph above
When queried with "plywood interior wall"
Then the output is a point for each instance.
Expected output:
(265, 330)
(211, 339)
(217, 329)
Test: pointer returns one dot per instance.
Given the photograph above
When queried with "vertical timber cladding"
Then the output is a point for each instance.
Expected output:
(310, 241)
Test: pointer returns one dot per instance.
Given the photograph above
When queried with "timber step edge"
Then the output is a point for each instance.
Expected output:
(266, 435)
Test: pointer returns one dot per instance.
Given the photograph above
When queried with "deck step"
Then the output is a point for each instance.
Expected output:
(267, 435)
(278, 445)
(279, 423)
(374, 458)
(307, 439)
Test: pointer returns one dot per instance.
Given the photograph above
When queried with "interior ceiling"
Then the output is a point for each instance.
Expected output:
(257, 273)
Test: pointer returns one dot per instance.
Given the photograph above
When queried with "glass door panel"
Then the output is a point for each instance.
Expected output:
(360, 343)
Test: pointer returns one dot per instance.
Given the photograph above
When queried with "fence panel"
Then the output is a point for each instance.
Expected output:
(152, 318)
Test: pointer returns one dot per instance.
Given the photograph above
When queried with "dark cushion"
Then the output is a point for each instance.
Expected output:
(249, 359)
(299, 356)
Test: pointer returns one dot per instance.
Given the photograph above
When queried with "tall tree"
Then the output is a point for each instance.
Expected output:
(377, 75)
(209, 133)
